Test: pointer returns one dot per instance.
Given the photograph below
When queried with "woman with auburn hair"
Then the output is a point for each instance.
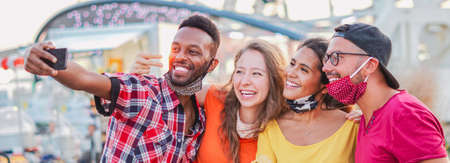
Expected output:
(314, 129)
(255, 97)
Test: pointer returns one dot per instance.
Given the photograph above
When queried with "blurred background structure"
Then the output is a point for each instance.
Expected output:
(42, 120)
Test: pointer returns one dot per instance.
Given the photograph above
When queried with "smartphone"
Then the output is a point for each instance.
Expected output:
(61, 56)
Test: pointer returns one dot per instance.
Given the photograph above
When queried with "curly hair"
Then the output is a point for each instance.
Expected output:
(206, 25)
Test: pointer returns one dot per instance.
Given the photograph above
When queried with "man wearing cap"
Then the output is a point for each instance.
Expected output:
(395, 126)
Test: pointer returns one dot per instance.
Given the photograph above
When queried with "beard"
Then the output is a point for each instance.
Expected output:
(190, 86)
(198, 73)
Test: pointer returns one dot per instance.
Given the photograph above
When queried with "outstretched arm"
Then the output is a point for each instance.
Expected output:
(74, 76)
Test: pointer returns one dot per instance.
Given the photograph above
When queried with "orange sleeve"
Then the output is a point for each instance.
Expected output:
(211, 146)
(212, 100)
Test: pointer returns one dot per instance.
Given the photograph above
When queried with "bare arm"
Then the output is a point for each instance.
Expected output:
(354, 115)
(201, 95)
(437, 160)
(78, 78)
(74, 76)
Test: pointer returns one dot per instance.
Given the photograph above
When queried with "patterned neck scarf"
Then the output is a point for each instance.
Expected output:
(186, 90)
(245, 130)
(303, 104)
(192, 87)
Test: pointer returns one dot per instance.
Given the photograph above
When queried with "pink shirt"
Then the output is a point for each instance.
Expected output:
(403, 130)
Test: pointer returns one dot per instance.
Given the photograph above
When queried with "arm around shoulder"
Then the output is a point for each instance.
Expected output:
(437, 160)
(201, 95)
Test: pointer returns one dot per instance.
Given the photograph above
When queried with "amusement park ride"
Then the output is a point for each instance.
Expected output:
(99, 33)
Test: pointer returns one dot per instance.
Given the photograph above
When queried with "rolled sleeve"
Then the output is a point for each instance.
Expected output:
(129, 94)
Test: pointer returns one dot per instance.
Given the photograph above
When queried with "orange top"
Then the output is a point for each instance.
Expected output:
(211, 146)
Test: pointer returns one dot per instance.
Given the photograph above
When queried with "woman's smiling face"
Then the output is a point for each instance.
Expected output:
(302, 75)
(251, 79)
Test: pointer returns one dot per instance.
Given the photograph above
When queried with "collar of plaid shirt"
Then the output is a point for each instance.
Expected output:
(150, 126)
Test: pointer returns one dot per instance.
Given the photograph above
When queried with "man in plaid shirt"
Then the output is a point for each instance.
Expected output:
(152, 119)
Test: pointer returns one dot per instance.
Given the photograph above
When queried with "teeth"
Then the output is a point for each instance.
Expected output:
(290, 84)
(178, 68)
(248, 93)
(333, 79)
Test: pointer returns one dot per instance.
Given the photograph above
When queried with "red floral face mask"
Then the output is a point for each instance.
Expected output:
(345, 91)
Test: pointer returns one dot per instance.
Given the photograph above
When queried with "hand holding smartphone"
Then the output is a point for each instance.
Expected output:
(61, 56)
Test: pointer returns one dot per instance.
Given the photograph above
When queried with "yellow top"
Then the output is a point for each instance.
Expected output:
(338, 148)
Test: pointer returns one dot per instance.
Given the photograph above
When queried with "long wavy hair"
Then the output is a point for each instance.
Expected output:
(319, 46)
(273, 105)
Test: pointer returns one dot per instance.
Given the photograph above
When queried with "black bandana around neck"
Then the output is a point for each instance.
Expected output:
(303, 104)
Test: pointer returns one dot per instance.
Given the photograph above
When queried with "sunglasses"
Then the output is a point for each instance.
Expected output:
(334, 57)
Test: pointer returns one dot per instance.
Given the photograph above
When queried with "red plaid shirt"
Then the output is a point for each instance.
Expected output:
(147, 122)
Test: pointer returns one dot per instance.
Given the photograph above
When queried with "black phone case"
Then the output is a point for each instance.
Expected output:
(61, 56)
